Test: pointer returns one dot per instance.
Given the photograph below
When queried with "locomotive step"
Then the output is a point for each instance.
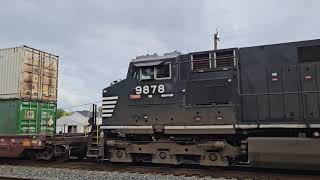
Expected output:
(94, 149)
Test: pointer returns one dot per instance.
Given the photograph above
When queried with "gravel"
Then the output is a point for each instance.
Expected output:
(56, 173)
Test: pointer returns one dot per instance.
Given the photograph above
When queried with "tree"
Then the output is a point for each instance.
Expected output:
(61, 113)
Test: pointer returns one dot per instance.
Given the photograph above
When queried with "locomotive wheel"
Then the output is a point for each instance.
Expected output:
(119, 154)
(162, 155)
(213, 157)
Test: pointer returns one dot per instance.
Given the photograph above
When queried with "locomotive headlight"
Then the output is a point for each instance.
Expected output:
(105, 91)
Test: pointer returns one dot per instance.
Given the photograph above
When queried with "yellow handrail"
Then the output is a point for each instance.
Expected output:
(98, 134)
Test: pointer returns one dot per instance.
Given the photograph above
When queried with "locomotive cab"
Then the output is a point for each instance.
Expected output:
(174, 94)
(140, 101)
(152, 78)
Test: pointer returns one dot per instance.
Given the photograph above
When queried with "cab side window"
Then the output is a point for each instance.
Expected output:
(163, 71)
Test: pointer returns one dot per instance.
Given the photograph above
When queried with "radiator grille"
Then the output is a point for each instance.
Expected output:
(225, 59)
(201, 61)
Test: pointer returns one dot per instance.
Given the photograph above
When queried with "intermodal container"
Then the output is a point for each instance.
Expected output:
(27, 117)
(28, 74)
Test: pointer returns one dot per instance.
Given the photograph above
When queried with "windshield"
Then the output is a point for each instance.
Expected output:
(147, 73)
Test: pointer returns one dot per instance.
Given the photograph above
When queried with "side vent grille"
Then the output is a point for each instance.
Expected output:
(225, 59)
(200, 61)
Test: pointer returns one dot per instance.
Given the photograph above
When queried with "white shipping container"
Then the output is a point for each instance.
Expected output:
(28, 74)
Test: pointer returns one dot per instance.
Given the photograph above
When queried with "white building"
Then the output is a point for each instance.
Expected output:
(77, 122)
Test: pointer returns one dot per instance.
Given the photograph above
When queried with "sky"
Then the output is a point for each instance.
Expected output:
(96, 39)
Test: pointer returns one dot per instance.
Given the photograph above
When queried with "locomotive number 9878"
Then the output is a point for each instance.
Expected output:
(152, 89)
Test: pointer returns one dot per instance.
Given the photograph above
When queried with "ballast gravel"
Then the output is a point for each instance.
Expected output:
(56, 173)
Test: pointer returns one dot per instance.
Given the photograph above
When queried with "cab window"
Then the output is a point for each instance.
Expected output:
(158, 72)
(163, 71)
(136, 73)
(147, 73)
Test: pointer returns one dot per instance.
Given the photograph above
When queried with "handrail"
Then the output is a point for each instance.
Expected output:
(98, 129)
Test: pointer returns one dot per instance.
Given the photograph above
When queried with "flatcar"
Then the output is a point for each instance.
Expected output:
(255, 106)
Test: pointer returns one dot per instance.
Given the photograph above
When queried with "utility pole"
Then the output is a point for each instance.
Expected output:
(94, 114)
(216, 39)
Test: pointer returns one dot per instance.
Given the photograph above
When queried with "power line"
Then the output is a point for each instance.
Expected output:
(70, 107)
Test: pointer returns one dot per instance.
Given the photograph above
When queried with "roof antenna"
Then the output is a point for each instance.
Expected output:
(216, 39)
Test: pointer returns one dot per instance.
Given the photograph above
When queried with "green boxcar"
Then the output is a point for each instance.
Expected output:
(31, 118)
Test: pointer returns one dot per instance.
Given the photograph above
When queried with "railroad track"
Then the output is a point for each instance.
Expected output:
(14, 178)
(186, 171)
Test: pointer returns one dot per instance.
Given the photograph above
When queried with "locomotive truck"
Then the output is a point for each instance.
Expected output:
(255, 106)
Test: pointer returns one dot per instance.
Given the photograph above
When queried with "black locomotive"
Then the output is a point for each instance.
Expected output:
(256, 106)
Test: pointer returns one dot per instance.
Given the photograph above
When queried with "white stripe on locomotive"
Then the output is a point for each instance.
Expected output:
(108, 102)
(108, 106)
(110, 98)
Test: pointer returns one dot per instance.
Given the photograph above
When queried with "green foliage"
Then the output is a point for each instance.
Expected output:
(61, 113)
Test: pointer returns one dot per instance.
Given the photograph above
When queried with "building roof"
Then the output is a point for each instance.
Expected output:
(86, 113)
(74, 119)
